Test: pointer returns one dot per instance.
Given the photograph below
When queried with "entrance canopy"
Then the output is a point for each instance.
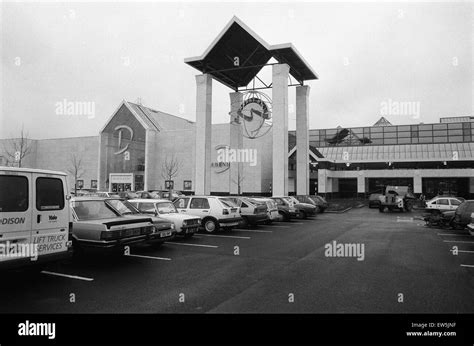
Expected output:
(237, 55)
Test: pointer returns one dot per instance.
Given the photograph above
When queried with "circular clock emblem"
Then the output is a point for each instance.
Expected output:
(254, 114)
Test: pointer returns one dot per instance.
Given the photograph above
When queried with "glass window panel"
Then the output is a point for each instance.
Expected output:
(455, 126)
(414, 140)
(425, 127)
(440, 127)
(390, 135)
(404, 128)
(404, 140)
(377, 141)
(455, 138)
(425, 140)
(455, 132)
(441, 139)
(376, 135)
(390, 141)
(440, 133)
(389, 129)
(376, 129)
(426, 133)
(404, 134)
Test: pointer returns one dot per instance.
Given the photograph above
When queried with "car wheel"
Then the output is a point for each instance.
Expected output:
(285, 217)
(210, 225)
(303, 215)
(245, 222)
(322, 210)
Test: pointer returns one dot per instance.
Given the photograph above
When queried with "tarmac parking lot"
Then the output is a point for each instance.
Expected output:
(285, 267)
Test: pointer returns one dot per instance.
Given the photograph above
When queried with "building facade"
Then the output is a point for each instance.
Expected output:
(143, 149)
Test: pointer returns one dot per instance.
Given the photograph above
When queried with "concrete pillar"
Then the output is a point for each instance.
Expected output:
(280, 129)
(302, 140)
(203, 134)
(102, 172)
(417, 184)
(236, 142)
(361, 183)
(322, 181)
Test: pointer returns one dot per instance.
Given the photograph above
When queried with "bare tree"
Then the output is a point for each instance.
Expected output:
(240, 179)
(18, 148)
(170, 168)
(76, 169)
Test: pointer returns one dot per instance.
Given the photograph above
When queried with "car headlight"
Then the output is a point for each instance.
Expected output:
(172, 226)
(185, 223)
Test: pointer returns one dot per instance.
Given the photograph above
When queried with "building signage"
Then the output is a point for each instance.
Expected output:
(120, 128)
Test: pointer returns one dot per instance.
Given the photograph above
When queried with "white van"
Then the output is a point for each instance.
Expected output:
(35, 219)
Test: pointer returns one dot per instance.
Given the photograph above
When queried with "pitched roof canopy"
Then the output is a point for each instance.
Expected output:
(238, 40)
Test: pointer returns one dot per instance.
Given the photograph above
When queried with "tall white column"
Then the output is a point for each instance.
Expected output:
(280, 129)
(203, 134)
(236, 142)
(302, 140)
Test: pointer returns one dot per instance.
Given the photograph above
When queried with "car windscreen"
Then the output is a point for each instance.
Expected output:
(92, 210)
(166, 208)
(123, 207)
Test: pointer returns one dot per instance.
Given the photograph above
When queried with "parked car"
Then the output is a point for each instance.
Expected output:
(441, 203)
(303, 209)
(251, 211)
(470, 226)
(285, 207)
(321, 202)
(318, 201)
(34, 214)
(272, 209)
(165, 229)
(98, 226)
(166, 194)
(185, 225)
(99, 194)
(144, 194)
(375, 200)
(459, 218)
(215, 212)
(127, 194)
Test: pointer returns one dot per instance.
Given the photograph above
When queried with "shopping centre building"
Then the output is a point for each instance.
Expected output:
(140, 148)
(346, 162)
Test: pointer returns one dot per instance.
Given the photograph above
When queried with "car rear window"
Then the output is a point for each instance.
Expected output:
(49, 194)
(13, 193)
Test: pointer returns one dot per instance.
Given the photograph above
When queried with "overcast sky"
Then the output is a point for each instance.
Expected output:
(366, 54)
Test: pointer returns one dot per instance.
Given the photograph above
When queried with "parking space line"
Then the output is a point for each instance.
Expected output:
(466, 251)
(150, 257)
(251, 230)
(279, 226)
(188, 244)
(220, 236)
(297, 223)
(67, 276)
(458, 241)
(467, 265)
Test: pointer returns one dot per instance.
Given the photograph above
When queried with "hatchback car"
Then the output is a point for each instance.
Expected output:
(185, 225)
(251, 211)
(215, 212)
(98, 226)
(303, 209)
(285, 207)
(272, 209)
(441, 203)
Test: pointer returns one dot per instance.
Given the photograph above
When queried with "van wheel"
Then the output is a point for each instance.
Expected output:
(210, 225)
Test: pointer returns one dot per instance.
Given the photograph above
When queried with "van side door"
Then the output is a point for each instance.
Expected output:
(16, 204)
(51, 214)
